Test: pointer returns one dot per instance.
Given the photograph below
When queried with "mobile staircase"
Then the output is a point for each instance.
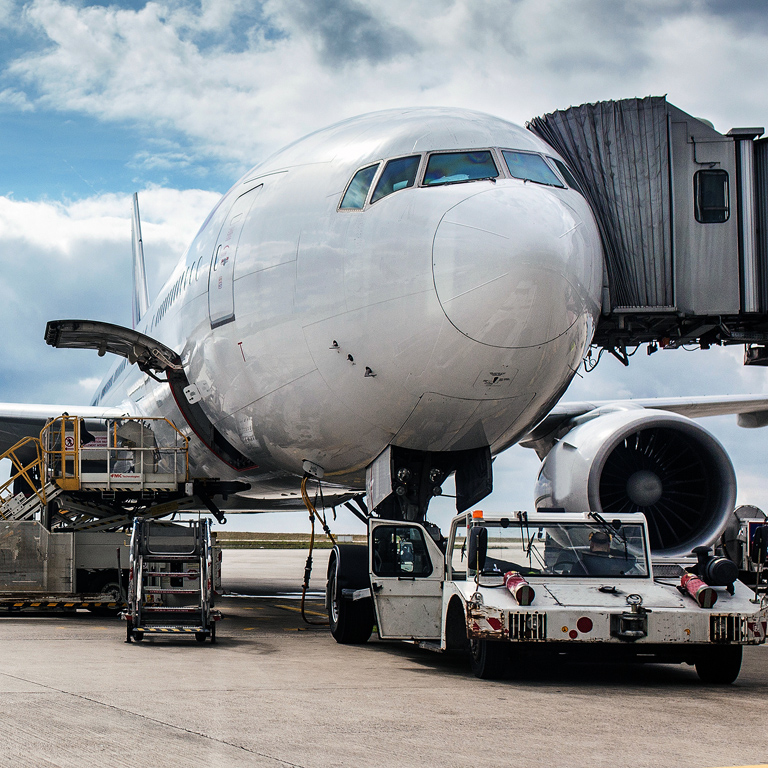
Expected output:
(171, 581)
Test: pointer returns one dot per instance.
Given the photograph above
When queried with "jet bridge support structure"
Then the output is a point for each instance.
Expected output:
(683, 215)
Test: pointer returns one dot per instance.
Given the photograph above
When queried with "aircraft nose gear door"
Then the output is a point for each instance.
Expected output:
(221, 278)
(407, 573)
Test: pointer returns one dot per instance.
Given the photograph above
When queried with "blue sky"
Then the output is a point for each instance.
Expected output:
(176, 99)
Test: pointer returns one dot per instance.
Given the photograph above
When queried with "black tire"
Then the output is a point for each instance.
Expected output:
(213, 632)
(489, 660)
(719, 665)
(138, 636)
(351, 621)
(200, 637)
(112, 588)
(456, 627)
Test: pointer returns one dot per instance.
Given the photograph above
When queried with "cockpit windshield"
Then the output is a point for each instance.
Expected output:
(357, 191)
(453, 167)
(575, 550)
(530, 167)
(398, 174)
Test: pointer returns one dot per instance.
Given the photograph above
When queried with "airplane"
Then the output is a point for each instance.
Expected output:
(385, 302)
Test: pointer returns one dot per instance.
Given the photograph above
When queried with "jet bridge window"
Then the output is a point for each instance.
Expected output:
(398, 174)
(400, 550)
(710, 194)
(530, 167)
(357, 191)
(456, 167)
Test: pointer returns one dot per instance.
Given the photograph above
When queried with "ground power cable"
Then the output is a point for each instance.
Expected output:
(313, 513)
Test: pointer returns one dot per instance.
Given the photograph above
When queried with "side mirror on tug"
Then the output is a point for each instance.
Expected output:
(478, 547)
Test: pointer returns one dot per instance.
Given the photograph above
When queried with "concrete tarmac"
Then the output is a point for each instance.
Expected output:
(275, 692)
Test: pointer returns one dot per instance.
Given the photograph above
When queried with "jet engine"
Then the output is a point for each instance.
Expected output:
(629, 459)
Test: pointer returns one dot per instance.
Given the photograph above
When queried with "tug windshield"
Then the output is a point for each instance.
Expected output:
(569, 550)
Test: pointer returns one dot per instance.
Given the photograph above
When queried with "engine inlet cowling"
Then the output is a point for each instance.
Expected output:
(636, 460)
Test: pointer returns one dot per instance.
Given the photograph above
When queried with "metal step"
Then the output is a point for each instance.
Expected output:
(177, 609)
(175, 574)
(150, 629)
(24, 508)
(170, 557)
(159, 591)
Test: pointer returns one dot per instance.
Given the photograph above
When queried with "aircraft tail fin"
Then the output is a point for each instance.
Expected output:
(140, 293)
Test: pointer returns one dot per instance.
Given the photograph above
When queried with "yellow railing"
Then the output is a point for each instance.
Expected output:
(59, 454)
(31, 472)
(62, 441)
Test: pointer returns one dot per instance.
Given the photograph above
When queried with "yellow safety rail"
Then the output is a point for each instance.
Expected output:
(31, 472)
(60, 440)
(63, 452)
(58, 455)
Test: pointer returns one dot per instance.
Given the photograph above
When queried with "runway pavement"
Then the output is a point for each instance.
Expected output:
(276, 692)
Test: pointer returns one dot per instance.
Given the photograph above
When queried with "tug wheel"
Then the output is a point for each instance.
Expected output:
(488, 659)
(351, 622)
(719, 665)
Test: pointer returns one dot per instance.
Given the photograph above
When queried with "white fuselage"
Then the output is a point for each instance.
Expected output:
(469, 305)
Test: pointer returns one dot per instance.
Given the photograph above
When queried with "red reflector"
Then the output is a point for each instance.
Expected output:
(584, 624)
(573, 634)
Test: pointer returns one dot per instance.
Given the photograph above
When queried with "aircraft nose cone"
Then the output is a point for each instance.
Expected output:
(514, 266)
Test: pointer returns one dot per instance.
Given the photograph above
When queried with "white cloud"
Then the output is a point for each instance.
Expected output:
(238, 84)
(15, 100)
(61, 260)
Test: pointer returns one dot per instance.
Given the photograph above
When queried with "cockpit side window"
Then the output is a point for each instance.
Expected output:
(357, 191)
(456, 167)
(398, 174)
(530, 167)
(570, 179)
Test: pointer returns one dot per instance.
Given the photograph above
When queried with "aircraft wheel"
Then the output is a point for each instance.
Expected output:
(719, 665)
(351, 621)
(488, 659)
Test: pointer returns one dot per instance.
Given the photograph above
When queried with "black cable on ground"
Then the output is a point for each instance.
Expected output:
(313, 513)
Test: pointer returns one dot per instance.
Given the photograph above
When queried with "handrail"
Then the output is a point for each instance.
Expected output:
(23, 471)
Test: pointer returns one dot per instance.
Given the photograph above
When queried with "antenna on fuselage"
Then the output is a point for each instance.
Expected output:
(140, 293)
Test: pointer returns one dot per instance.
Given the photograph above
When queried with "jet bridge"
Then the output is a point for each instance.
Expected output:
(683, 215)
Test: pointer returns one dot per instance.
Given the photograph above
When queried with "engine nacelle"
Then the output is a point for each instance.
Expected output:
(629, 459)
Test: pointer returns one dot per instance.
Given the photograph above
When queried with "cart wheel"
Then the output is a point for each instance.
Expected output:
(138, 635)
(213, 632)
(200, 637)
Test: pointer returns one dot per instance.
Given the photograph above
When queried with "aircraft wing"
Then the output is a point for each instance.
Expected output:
(18, 420)
(693, 407)
(752, 411)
